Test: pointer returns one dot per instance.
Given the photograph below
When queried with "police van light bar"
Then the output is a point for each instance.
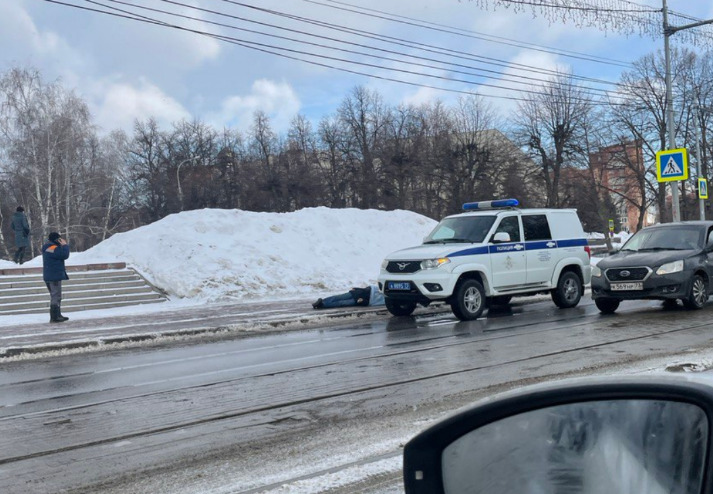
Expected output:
(500, 203)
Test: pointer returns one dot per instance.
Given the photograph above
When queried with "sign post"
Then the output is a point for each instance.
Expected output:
(672, 166)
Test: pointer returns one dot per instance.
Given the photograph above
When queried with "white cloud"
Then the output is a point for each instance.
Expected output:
(422, 96)
(277, 99)
(118, 104)
(176, 48)
(30, 45)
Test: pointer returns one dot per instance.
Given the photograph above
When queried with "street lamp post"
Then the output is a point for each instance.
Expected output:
(178, 179)
(667, 32)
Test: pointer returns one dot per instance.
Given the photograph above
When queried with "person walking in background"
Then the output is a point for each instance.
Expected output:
(22, 233)
(369, 295)
(54, 252)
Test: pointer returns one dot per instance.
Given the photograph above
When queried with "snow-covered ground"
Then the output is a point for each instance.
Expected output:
(218, 255)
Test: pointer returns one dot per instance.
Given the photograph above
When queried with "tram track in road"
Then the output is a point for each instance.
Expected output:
(268, 403)
(482, 332)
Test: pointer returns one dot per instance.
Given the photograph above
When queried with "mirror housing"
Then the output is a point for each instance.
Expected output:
(501, 237)
(426, 457)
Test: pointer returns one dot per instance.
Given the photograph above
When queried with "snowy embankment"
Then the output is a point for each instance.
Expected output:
(224, 255)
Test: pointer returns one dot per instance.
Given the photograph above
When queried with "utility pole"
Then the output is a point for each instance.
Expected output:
(701, 204)
(667, 32)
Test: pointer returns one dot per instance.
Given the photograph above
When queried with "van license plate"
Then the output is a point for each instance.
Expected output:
(399, 285)
(622, 287)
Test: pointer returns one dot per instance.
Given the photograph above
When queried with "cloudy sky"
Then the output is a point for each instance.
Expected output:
(230, 58)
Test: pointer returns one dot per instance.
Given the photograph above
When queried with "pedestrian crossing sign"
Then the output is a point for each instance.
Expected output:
(672, 165)
(702, 188)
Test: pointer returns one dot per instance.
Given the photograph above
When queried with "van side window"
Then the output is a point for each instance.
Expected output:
(511, 226)
(536, 227)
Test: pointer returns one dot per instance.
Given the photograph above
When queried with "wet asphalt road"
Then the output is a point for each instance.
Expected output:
(163, 418)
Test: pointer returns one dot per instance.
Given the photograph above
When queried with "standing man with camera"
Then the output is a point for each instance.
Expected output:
(54, 252)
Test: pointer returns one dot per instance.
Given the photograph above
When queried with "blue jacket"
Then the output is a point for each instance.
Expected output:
(53, 256)
(376, 297)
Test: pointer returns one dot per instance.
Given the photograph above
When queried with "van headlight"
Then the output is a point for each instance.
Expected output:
(384, 263)
(596, 271)
(670, 267)
(434, 263)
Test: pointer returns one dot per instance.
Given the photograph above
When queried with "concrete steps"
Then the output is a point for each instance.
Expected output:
(94, 286)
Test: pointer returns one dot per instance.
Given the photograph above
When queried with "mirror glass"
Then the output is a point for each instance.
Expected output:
(599, 447)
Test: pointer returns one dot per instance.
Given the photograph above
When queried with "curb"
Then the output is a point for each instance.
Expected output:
(236, 330)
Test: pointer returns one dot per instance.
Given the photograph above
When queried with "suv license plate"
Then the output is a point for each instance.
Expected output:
(399, 285)
(621, 287)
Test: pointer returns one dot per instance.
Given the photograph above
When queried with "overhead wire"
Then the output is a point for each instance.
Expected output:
(380, 14)
(419, 45)
(508, 78)
(257, 47)
(271, 49)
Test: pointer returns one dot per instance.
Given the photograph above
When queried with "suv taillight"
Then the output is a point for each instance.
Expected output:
(588, 251)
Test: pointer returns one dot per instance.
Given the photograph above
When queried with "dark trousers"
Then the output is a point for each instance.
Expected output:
(55, 288)
(19, 254)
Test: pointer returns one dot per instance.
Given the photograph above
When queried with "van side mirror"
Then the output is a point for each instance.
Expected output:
(501, 237)
(615, 435)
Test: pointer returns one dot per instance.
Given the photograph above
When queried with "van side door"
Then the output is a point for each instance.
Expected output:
(507, 260)
(539, 247)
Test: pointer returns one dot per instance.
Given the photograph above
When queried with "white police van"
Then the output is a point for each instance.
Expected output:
(488, 254)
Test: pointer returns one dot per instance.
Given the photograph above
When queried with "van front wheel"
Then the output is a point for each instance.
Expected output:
(468, 300)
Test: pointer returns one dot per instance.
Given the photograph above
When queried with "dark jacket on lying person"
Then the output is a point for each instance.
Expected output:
(367, 296)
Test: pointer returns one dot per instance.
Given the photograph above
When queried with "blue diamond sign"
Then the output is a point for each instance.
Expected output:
(672, 165)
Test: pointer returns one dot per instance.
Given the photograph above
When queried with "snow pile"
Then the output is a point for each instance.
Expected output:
(222, 255)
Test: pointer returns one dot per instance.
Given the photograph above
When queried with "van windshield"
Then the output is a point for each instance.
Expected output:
(465, 229)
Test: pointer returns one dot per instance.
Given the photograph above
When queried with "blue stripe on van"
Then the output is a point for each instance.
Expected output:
(513, 247)
(470, 252)
(572, 242)
(541, 245)
(499, 248)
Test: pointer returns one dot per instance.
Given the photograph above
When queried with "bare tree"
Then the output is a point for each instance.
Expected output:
(46, 133)
(551, 124)
(365, 116)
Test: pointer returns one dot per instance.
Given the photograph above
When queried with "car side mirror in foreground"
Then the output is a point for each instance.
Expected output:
(630, 435)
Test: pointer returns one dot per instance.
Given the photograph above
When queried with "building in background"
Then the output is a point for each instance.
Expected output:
(620, 172)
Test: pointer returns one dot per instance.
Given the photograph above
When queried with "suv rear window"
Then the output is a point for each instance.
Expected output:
(536, 227)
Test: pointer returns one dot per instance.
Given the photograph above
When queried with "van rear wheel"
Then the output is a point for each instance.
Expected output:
(569, 290)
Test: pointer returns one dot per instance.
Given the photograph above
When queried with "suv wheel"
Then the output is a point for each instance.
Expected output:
(468, 300)
(697, 294)
(568, 291)
(399, 308)
(607, 305)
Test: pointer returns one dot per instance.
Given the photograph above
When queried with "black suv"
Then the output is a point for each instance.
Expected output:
(667, 262)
